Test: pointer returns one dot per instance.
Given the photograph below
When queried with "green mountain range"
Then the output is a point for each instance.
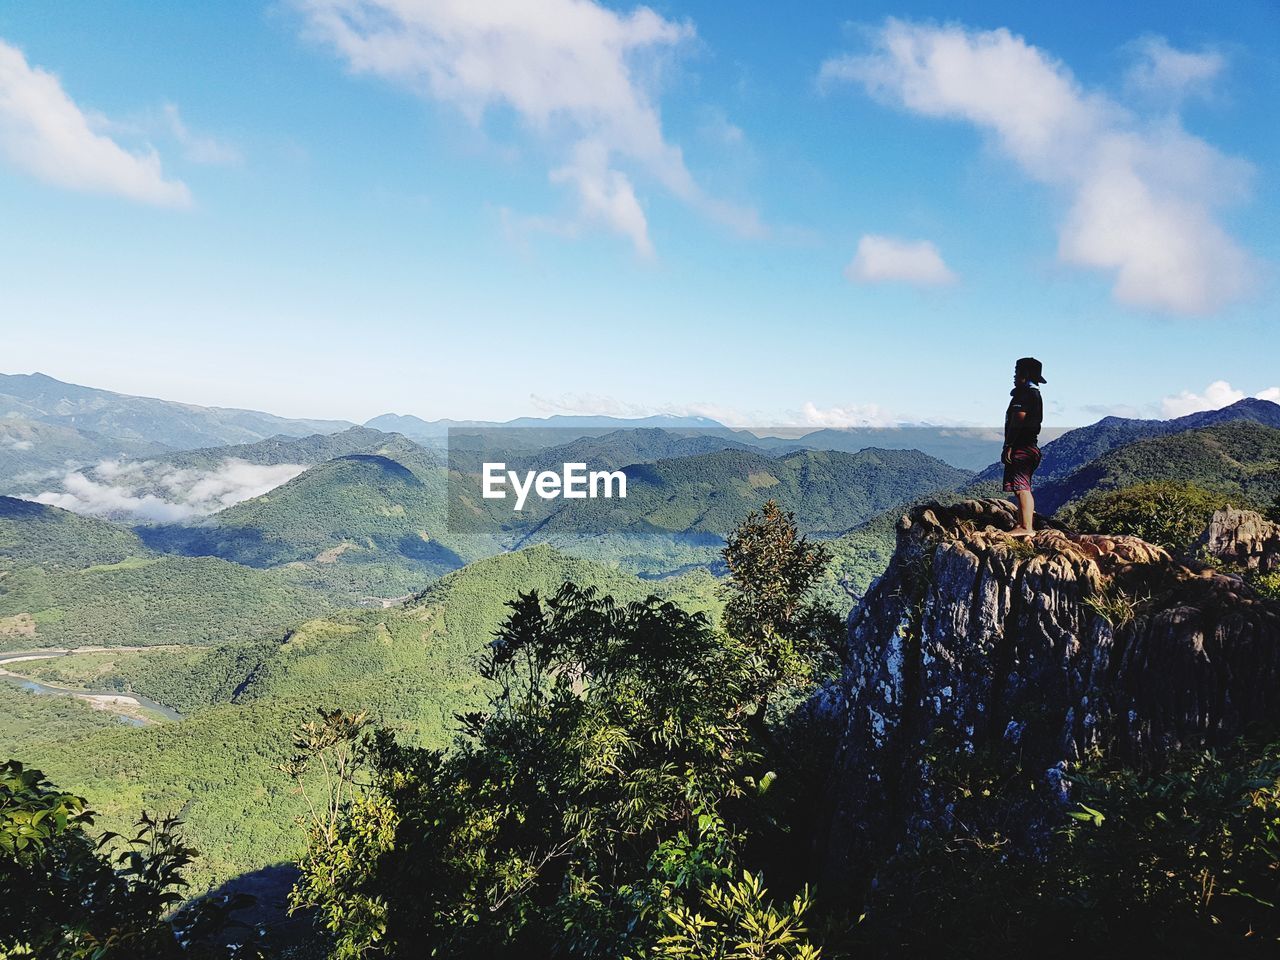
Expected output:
(829, 491)
(1240, 459)
(375, 524)
(1075, 448)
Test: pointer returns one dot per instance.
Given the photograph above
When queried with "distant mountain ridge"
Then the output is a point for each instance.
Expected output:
(1239, 458)
(46, 423)
(122, 416)
(309, 450)
(1077, 447)
(965, 447)
(613, 450)
(416, 428)
(35, 448)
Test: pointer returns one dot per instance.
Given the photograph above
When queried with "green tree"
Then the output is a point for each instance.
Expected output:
(773, 569)
(591, 803)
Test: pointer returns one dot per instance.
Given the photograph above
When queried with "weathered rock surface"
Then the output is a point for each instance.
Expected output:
(1052, 646)
(1244, 538)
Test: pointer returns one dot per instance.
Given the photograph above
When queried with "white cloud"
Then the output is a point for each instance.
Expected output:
(1126, 410)
(575, 72)
(857, 415)
(717, 128)
(1218, 394)
(45, 134)
(80, 494)
(1163, 71)
(606, 195)
(882, 259)
(598, 405)
(1143, 194)
(198, 147)
(159, 493)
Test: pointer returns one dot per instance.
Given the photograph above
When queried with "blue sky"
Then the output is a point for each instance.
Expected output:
(819, 213)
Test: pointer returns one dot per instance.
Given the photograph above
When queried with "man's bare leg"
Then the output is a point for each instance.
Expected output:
(1026, 515)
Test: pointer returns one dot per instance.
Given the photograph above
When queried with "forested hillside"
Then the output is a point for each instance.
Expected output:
(33, 453)
(1240, 459)
(33, 534)
(1075, 448)
(830, 492)
(152, 600)
(413, 668)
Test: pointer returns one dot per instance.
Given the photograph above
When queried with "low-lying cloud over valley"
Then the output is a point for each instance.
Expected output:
(161, 493)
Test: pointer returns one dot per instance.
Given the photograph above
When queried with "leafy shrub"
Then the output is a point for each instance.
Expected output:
(66, 894)
(739, 924)
(1266, 584)
(1170, 515)
(1181, 863)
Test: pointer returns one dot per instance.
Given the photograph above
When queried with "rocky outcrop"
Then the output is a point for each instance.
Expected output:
(1245, 539)
(1047, 648)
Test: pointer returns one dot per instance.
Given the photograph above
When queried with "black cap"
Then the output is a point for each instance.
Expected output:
(1029, 367)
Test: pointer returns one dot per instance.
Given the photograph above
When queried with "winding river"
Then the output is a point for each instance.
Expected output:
(102, 699)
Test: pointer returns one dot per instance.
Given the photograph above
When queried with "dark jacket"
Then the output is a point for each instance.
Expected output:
(1026, 432)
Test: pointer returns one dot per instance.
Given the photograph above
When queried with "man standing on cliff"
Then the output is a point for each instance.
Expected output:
(1021, 454)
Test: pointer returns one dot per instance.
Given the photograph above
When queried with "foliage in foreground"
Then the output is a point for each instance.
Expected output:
(601, 806)
(1181, 863)
(65, 893)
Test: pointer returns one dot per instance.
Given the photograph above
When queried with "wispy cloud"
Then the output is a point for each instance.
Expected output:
(598, 405)
(1126, 410)
(199, 147)
(855, 415)
(1218, 394)
(1172, 75)
(578, 74)
(881, 259)
(1144, 193)
(45, 134)
(160, 493)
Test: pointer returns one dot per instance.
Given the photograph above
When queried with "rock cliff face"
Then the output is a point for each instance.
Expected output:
(1049, 648)
(1244, 538)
